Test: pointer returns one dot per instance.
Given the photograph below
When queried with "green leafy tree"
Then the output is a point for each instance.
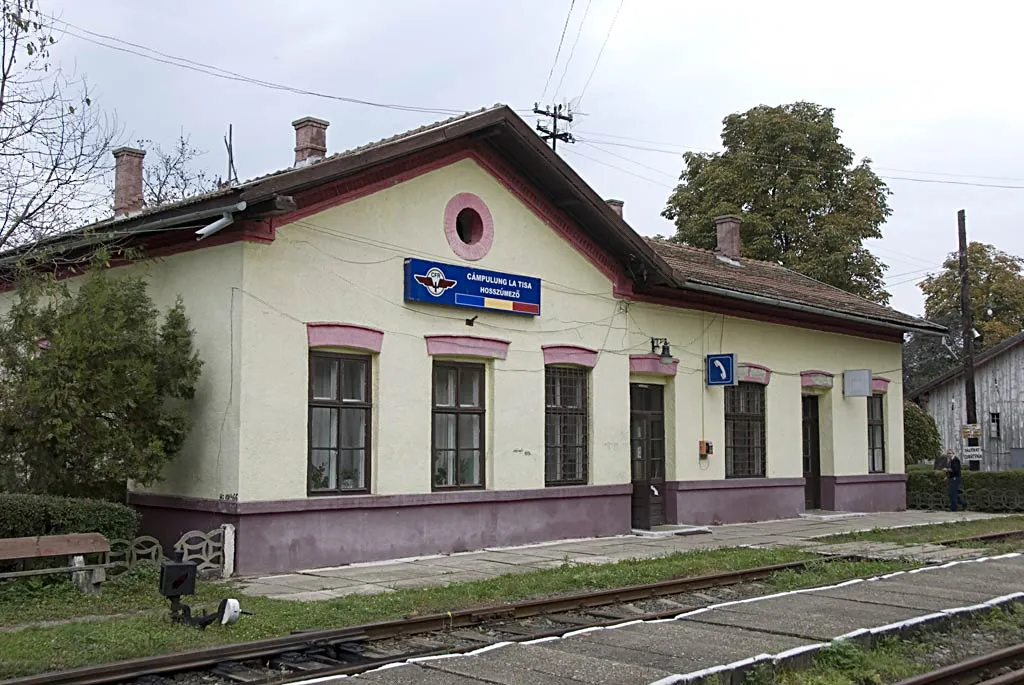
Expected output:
(94, 385)
(804, 202)
(921, 442)
(929, 356)
(996, 280)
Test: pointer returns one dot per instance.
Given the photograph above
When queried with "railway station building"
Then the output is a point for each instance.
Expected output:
(446, 341)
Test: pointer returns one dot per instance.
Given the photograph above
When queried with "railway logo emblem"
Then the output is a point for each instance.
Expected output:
(435, 282)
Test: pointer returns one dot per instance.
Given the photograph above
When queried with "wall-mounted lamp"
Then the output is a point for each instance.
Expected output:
(666, 352)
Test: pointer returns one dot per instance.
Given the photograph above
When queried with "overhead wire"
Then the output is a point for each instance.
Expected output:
(218, 72)
(618, 168)
(572, 50)
(551, 72)
(771, 159)
(631, 161)
(404, 251)
(600, 52)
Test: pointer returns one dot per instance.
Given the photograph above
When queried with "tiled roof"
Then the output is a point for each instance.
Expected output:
(667, 263)
(753, 277)
(227, 190)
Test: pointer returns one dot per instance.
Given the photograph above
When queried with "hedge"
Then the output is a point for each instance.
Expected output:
(31, 515)
(992, 491)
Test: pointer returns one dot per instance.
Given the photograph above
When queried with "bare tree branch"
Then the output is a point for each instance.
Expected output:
(171, 176)
(54, 143)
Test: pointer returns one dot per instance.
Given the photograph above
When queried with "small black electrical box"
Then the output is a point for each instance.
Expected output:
(177, 578)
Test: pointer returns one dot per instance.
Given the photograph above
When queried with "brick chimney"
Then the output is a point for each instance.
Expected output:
(127, 180)
(310, 140)
(616, 205)
(729, 243)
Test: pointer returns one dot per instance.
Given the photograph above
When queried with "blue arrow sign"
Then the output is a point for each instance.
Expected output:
(720, 369)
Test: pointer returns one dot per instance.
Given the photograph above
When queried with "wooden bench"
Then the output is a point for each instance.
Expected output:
(75, 545)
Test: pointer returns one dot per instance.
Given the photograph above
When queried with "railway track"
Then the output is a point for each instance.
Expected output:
(996, 668)
(346, 651)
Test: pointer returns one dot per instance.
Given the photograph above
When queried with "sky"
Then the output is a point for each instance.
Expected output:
(927, 91)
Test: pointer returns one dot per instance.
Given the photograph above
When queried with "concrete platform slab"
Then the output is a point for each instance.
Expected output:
(677, 646)
(484, 566)
(413, 675)
(922, 602)
(805, 616)
(437, 580)
(532, 664)
(513, 558)
(296, 582)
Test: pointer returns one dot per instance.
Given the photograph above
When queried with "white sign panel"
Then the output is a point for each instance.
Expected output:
(857, 383)
(972, 452)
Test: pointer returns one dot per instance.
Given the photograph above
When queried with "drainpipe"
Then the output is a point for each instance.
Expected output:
(225, 220)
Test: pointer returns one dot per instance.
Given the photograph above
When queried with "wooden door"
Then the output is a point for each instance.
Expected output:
(812, 453)
(647, 454)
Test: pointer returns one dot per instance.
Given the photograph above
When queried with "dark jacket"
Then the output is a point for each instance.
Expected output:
(954, 467)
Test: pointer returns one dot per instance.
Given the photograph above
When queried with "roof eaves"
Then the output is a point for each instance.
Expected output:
(638, 246)
(983, 358)
(712, 288)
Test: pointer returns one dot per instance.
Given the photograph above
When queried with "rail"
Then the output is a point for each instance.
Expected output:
(974, 670)
(118, 672)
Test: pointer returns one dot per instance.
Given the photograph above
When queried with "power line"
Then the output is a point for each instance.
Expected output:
(632, 161)
(810, 168)
(618, 168)
(572, 50)
(217, 72)
(691, 148)
(558, 52)
(601, 51)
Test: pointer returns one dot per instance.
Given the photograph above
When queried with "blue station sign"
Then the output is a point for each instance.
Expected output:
(720, 369)
(460, 286)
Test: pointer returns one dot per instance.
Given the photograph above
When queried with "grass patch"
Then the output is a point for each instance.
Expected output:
(39, 649)
(894, 658)
(933, 533)
(827, 573)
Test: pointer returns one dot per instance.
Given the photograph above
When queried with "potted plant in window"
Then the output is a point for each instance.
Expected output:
(318, 478)
(348, 479)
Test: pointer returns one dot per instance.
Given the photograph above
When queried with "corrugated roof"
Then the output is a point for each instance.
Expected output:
(765, 279)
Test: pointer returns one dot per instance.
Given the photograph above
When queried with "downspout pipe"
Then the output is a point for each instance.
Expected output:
(760, 299)
(225, 220)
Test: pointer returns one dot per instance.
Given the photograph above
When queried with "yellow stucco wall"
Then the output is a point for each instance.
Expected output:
(345, 264)
(249, 304)
(206, 279)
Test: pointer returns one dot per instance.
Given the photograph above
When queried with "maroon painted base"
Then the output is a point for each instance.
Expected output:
(316, 532)
(865, 493)
(711, 502)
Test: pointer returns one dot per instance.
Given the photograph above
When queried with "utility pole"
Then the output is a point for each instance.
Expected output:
(971, 402)
(552, 133)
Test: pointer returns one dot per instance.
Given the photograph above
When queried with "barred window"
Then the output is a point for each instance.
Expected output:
(339, 424)
(565, 426)
(744, 431)
(876, 434)
(458, 410)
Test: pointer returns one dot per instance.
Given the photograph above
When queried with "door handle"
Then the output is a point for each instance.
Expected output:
(654, 490)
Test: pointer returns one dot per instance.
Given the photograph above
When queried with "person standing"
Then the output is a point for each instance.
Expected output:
(954, 477)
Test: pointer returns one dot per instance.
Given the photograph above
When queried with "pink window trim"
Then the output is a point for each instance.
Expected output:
(569, 354)
(753, 373)
(810, 379)
(651, 364)
(467, 346)
(325, 334)
(880, 384)
(480, 248)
